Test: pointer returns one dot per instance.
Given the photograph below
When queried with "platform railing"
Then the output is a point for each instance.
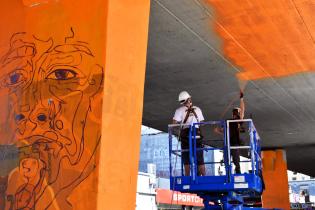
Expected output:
(253, 148)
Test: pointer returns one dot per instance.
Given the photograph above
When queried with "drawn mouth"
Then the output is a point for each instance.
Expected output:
(33, 146)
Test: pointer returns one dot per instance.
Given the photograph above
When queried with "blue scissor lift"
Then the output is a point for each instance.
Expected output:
(219, 191)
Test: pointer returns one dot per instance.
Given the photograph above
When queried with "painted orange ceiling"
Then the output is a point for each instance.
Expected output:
(267, 38)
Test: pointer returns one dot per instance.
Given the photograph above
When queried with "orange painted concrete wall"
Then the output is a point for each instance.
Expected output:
(52, 58)
(276, 194)
(71, 92)
(127, 35)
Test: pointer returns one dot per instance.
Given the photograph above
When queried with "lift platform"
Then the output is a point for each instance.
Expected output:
(219, 190)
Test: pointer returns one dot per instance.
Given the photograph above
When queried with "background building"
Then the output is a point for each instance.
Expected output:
(155, 149)
(301, 188)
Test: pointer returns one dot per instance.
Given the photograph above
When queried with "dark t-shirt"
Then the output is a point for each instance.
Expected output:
(235, 133)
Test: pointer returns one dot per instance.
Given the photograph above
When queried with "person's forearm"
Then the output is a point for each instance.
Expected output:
(218, 131)
(242, 107)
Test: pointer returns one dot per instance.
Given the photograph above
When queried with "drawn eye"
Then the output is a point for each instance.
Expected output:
(62, 74)
(13, 78)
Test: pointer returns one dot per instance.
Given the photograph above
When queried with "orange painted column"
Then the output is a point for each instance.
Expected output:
(52, 74)
(276, 194)
(127, 35)
(71, 95)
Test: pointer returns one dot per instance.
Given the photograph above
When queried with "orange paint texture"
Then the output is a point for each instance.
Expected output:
(52, 58)
(127, 37)
(276, 194)
(267, 38)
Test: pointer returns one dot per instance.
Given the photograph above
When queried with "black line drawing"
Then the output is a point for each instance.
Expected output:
(50, 89)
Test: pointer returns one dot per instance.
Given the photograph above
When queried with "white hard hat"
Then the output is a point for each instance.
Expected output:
(183, 96)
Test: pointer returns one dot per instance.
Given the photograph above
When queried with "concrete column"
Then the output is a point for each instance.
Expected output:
(71, 97)
(126, 47)
(276, 194)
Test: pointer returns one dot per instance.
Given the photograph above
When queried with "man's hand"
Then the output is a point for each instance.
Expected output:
(218, 130)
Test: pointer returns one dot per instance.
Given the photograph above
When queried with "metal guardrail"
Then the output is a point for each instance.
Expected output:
(253, 147)
(218, 191)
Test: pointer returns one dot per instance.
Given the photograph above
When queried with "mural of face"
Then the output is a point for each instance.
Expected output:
(51, 111)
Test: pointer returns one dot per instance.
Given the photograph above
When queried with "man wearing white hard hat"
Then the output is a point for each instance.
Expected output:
(187, 114)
